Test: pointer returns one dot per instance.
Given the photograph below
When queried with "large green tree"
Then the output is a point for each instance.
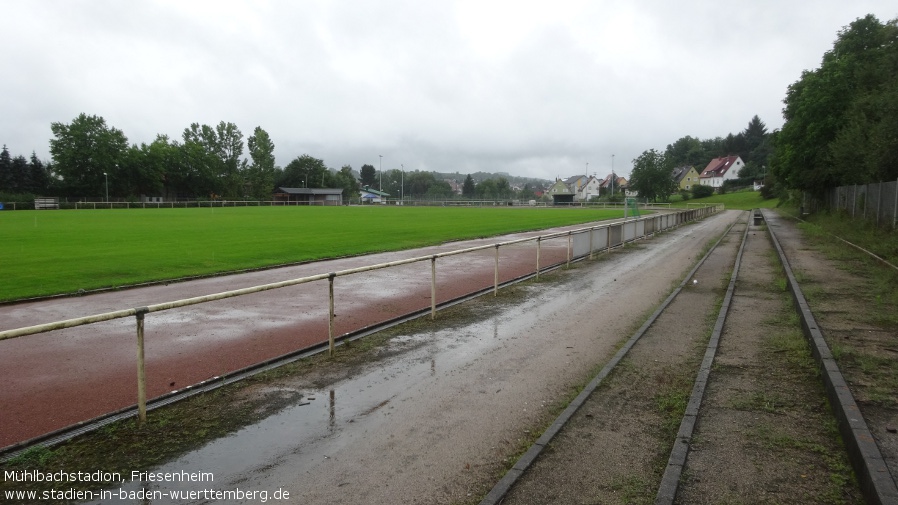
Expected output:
(651, 176)
(468, 188)
(6, 180)
(842, 119)
(21, 175)
(260, 173)
(418, 183)
(40, 176)
(140, 173)
(345, 180)
(164, 161)
(440, 190)
(199, 162)
(83, 151)
(686, 151)
(18, 175)
(368, 175)
(214, 156)
(230, 151)
(754, 135)
(304, 172)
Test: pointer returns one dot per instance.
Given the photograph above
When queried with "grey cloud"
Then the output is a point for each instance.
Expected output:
(533, 89)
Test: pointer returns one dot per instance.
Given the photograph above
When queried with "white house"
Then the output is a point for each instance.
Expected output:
(721, 169)
(588, 190)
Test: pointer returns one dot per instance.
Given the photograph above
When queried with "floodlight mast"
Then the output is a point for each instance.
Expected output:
(612, 175)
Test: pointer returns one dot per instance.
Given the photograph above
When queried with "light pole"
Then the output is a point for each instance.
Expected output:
(107, 186)
(381, 172)
(612, 175)
(402, 184)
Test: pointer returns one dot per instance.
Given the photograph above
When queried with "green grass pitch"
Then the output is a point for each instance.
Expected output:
(51, 252)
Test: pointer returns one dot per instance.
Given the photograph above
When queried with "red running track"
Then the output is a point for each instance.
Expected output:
(54, 380)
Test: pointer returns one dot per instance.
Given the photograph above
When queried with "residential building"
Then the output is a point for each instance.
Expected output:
(576, 182)
(561, 193)
(588, 190)
(614, 184)
(685, 177)
(721, 169)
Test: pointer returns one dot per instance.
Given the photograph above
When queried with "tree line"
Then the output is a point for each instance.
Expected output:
(428, 185)
(19, 175)
(92, 159)
(652, 170)
(841, 119)
(840, 128)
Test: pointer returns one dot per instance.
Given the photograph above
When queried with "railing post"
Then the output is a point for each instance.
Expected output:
(496, 274)
(866, 199)
(895, 208)
(569, 239)
(590, 242)
(608, 238)
(433, 287)
(141, 369)
(538, 247)
(330, 320)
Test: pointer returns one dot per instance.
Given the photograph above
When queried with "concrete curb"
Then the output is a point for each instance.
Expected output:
(876, 482)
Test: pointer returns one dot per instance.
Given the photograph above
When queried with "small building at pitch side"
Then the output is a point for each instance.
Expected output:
(309, 196)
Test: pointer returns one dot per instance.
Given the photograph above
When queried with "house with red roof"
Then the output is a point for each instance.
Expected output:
(721, 169)
(614, 183)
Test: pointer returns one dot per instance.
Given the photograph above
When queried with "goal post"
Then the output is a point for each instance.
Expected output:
(631, 208)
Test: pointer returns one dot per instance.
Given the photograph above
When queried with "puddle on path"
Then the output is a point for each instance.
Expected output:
(323, 421)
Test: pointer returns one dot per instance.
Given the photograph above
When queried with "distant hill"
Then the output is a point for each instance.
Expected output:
(482, 176)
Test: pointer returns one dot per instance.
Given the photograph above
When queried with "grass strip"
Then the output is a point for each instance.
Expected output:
(46, 253)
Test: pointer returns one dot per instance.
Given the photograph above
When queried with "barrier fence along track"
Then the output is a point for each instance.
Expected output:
(877, 202)
(181, 204)
(616, 235)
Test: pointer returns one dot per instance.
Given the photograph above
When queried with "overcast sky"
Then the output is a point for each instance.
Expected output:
(536, 89)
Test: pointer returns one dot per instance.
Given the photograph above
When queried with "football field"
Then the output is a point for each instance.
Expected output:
(52, 252)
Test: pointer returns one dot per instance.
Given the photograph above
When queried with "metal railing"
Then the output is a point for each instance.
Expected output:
(602, 237)
(409, 202)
